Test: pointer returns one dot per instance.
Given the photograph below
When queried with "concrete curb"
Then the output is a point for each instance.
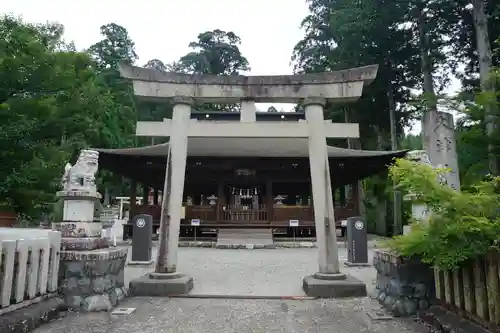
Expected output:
(28, 318)
(215, 296)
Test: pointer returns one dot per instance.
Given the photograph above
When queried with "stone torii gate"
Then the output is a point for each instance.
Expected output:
(310, 90)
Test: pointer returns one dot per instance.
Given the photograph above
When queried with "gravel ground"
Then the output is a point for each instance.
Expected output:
(276, 272)
(155, 315)
(242, 272)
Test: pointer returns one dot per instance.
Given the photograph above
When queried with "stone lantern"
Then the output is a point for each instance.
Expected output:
(212, 200)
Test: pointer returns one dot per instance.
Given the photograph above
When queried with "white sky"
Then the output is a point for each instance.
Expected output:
(269, 29)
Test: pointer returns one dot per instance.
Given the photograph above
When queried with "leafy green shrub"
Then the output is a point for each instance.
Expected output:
(463, 225)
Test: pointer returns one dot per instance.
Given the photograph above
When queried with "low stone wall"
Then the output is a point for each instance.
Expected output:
(93, 280)
(404, 286)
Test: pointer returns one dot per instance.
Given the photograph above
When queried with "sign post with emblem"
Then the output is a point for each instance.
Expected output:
(294, 224)
(142, 241)
(357, 242)
(195, 223)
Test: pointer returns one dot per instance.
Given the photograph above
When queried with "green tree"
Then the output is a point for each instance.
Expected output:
(157, 65)
(348, 33)
(50, 105)
(412, 142)
(115, 47)
(215, 52)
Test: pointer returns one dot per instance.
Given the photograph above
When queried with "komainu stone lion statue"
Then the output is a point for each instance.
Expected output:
(81, 176)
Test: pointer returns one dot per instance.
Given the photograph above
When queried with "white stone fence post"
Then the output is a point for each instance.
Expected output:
(29, 266)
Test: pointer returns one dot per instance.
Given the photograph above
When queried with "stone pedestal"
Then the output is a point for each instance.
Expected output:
(333, 286)
(160, 284)
(80, 236)
(92, 280)
(91, 275)
(404, 286)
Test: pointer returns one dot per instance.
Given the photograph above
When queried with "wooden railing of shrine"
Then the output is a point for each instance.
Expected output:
(244, 213)
(280, 214)
(203, 213)
(286, 213)
(153, 210)
(473, 290)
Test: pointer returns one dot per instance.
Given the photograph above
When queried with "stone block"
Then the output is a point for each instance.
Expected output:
(73, 302)
(92, 280)
(147, 286)
(404, 285)
(347, 287)
(97, 303)
(101, 284)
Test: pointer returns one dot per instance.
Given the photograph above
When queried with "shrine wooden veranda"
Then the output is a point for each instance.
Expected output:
(244, 192)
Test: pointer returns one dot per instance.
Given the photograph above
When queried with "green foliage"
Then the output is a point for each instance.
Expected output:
(53, 101)
(463, 225)
(215, 52)
(412, 142)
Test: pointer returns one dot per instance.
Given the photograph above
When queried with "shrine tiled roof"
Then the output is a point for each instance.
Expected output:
(248, 147)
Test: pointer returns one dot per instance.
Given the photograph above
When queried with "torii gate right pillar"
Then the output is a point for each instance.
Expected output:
(328, 281)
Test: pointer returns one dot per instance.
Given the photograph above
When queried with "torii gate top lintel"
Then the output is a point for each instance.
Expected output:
(343, 86)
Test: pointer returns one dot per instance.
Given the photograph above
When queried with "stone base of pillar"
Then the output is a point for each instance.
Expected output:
(333, 286)
(157, 284)
(93, 280)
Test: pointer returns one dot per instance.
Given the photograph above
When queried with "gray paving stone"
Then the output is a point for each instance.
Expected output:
(155, 315)
(276, 272)
(262, 272)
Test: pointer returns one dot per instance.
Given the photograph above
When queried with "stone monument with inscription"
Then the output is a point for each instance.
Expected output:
(419, 210)
(440, 145)
(91, 275)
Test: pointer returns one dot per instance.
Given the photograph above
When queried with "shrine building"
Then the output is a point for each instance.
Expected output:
(247, 169)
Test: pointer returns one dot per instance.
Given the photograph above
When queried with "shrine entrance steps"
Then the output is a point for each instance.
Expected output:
(245, 236)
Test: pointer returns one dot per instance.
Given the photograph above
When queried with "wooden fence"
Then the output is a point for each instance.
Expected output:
(473, 290)
(29, 265)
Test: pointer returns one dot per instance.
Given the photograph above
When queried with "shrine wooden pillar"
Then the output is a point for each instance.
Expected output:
(133, 199)
(269, 200)
(220, 200)
(145, 195)
(342, 196)
(155, 197)
(355, 197)
(310, 197)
